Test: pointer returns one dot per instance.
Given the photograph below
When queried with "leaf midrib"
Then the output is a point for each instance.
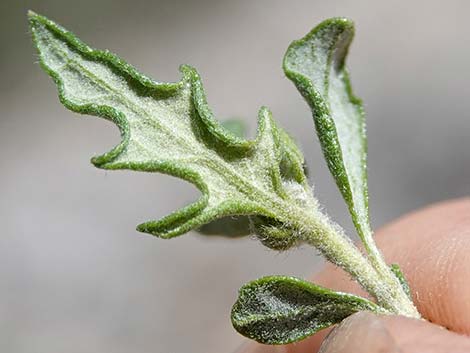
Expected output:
(223, 168)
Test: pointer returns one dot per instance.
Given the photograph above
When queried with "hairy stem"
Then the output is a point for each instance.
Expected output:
(372, 274)
(376, 258)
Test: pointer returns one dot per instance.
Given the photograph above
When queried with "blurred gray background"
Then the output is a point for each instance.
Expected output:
(76, 277)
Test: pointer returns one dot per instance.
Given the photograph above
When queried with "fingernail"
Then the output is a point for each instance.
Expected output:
(361, 332)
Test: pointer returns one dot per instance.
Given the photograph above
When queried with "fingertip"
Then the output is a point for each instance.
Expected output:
(366, 332)
(361, 332)
(417, 336)
(431, 246)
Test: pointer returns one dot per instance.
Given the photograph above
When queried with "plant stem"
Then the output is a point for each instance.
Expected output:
(372, 273)
(375, 256)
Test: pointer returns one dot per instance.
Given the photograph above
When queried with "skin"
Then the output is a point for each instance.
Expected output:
(431, 246)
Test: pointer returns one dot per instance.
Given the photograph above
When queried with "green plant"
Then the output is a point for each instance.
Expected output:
(169, 128)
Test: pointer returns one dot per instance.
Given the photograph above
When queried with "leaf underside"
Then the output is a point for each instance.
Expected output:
(281, 310)
(239, 226)
(316, 65)
(169, 128)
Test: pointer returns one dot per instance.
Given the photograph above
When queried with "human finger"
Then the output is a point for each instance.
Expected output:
(369, 333)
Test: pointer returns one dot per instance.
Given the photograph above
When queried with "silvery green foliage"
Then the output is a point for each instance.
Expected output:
(236, 127)
(169, 128)
(316, 65)
(248, 186)
(280, 310)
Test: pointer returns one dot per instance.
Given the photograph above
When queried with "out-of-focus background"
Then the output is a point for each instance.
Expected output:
(76, 277)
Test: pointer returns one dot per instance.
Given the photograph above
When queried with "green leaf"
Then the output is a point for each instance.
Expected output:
(231, 226)
(236, 127)
(401, 278)
(292, 167)
(281, 310)
(316, 65)
(169, 128)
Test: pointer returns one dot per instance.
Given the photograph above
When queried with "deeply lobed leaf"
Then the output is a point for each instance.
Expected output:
(281, 310)
(169, 128)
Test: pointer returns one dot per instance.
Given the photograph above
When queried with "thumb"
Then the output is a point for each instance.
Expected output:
(368, 333)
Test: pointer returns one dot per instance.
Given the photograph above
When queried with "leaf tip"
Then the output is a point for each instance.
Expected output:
(338, 25)
(151, 228)
(165, 228)
(35, 19)
(330, 30)
(31, 14)
(143, 228)
(343, 22)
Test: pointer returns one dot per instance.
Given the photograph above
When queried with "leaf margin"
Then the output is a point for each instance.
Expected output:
(238, 323)
(175, 223)
(328, 135)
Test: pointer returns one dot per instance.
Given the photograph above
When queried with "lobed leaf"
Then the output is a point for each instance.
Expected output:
(281, 310)
(316, 65)
(169, 128)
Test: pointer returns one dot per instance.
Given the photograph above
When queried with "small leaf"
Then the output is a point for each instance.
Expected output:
(316, 65)
(401, 278)
(274, 234)
(169, 128)
(281, 310)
